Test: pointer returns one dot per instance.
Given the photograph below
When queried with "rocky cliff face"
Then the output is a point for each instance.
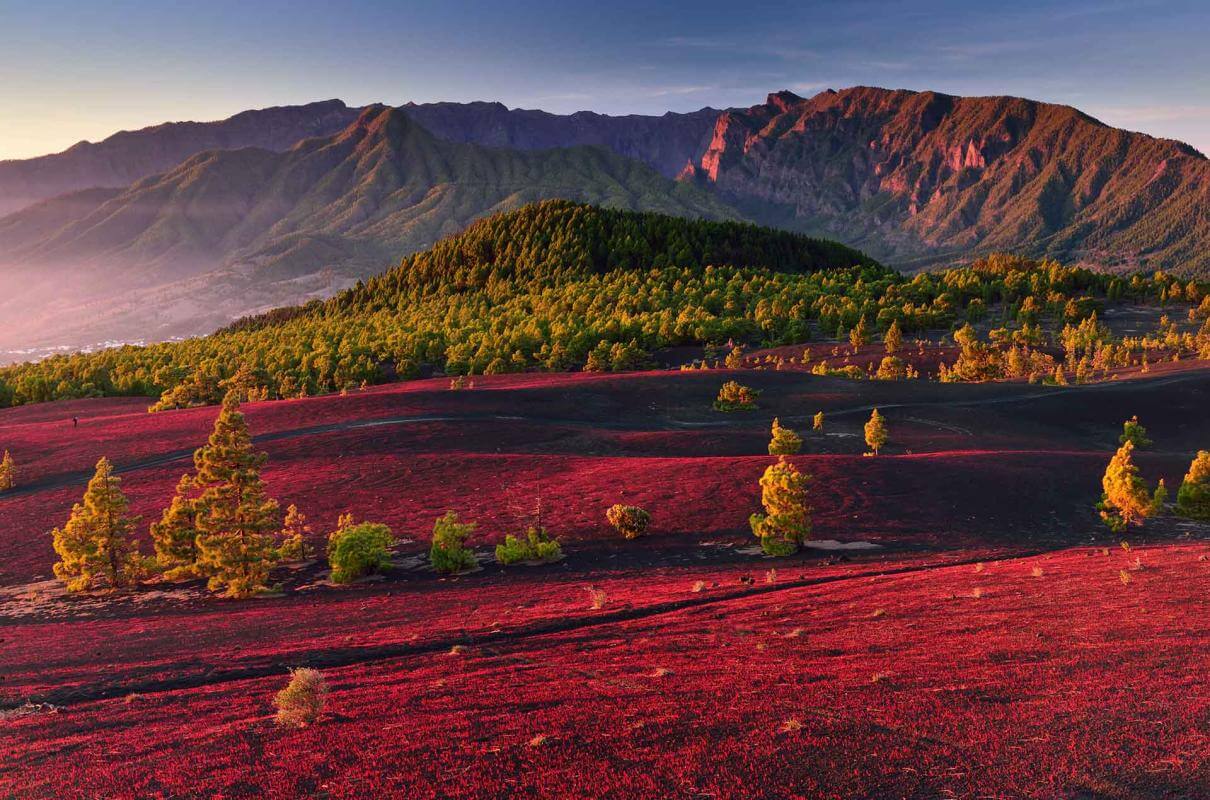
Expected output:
(918, 178)
(129, 156)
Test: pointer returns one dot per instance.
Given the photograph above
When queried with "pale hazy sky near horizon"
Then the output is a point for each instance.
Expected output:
(74, 70)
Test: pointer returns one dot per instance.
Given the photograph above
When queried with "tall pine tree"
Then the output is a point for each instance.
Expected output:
(96, 544)
(8, 473)
(175, 535)
(236, 520)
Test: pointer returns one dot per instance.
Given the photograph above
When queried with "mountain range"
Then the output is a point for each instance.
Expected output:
(177, 229)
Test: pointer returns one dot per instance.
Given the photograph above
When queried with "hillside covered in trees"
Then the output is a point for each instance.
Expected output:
(558, 286)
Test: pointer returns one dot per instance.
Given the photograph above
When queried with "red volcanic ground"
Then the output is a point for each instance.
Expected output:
(901, 671)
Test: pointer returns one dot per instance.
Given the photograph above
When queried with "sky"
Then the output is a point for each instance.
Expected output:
(73, 70)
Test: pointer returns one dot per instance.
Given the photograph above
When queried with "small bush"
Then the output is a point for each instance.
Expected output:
(303, 699)
(734, 396)
(598, 597)
(359, 550)
(537, 545)
(785, 442)
(630, 521)
(449, 552)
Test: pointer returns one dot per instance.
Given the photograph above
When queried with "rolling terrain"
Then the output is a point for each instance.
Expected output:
(960, 628)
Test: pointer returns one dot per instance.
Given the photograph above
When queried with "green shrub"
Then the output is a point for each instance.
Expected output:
(359, 550)
(449, 552)
(630, 521)
(785, 442)
(537, 545)
(734, 396)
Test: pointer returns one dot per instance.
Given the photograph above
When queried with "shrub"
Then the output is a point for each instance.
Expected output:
(891, 368)
(359, 550)
(1132, 431)
(537, 545)
(1193, 498)
(303, 699)
(893, 339)
(449, 552)
(630, 521)
(875, 432)
(817, 421)
(785, 442)
(734, 396)
(786, 522)
(8, 473)
(294, 533)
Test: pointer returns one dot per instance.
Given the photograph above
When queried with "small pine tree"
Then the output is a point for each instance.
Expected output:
(1126, 500)
(236, 520)
(293, 537)
(1132, 431)
(1193, 497)
(860, 334)
(449, 552)
(1159, 498)
(817, 421)
(734, 396)
(303, 699)
(735, 359)
(630, 521)
(359, 550)
(174, 537)
(8, 473)
(785, 442)
(97, 542)
(875, 432)
(893, 339)
(786, 522)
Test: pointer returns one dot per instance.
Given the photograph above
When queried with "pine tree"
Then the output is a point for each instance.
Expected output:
(859, 335)
(294, 533)
(785, 442)
(786, 522)
(875, 432)
(8, 473)
(893, 339)
(1193, 498)
(1132, 431)
(817, 421)
(1126, 500)
(97, 542)
(175, 535)
(236, 520)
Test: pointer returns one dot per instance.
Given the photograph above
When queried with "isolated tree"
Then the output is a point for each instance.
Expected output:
(1126, 499)
(97, 545)
(817, 421)
(734, 396)
(236, 520)
(1132, 431)
(1193, 498)
(875, 432)
(630, 521)
(359, 550)
(8, 473)
(893, 339)
(293, 538)
(448, 552)
(303, 699)
(174, 537)
(786, 522)
(785, 442)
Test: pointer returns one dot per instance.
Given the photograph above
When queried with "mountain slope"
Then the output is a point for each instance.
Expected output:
(129, 156)
(916, 178)
(230, 232)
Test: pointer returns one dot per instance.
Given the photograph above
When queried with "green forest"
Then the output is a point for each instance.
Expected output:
(560, 286)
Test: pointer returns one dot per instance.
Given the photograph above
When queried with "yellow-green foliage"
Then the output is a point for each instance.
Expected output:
(175, 535)
(1126, 499)
(786, 522)
(303, 699)
(293, 538)
(8, 473)
(359, 550)
(97, 544)
(1132, 431)
(1193, 498)
(630, 521)
(893, 339)
(785, 442)
(734, 396)
(448, 552)
(537, 545)
(817, 421)
(875, 432)
(236, 520)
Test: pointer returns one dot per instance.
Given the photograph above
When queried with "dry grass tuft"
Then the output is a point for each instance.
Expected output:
(459, 649)
(979, 567)
(1037, 572)
(1125, 577)
(977, 592)
(698, 586)
(303, 699)
(539, 740)
(791, 725)
(598, 597)
(794, 634)
(878, 612)
(771, 576)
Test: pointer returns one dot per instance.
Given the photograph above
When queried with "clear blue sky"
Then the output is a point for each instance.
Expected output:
(81, 69)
